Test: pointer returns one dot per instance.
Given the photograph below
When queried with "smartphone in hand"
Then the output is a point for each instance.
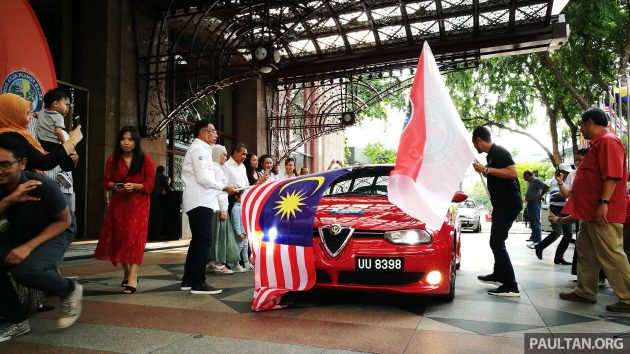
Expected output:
(76, 121)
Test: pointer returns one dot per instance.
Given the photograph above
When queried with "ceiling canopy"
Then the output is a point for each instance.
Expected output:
(211, 44)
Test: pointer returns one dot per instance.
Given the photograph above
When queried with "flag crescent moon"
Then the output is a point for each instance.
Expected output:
(318, 179)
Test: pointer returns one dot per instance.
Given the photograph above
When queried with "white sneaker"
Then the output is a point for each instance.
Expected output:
(71, 307)
(249, 267)
(9, 331)
(222, 270)
(239, 269)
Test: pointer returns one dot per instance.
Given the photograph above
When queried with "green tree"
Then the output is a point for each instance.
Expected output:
(480, 195)
(544, 170)
(378, 153)
(501, 91)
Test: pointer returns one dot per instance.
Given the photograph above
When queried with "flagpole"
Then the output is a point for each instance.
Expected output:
(627, 115)
(485, 186)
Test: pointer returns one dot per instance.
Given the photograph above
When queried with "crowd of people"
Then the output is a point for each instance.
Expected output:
(595, 195)
(37, 157)
(40, 225)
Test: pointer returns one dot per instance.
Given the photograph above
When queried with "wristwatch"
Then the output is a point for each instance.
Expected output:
(602, 201)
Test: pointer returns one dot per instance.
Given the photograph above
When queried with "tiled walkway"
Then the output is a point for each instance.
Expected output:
(162, 319)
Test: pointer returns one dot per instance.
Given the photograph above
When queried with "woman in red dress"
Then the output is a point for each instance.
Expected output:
(129, 174)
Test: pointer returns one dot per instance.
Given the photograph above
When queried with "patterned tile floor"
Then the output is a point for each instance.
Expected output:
(162, 319)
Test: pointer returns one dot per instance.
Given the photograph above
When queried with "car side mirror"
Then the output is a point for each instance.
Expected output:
(459, 197)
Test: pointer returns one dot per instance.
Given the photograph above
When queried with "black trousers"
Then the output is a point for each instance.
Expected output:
(567, 234)
(200, 220)
(502, 220)
(156, 217)
(38, 271)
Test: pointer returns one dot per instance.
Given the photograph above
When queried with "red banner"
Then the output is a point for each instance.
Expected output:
(26, 66)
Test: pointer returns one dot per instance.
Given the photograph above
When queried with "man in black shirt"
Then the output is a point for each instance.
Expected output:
(505, 196)
(32, 246)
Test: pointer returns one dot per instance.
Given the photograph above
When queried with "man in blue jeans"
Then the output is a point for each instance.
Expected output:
(32, 246)
(534, 193)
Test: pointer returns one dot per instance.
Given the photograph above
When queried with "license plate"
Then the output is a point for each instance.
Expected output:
(379, 264)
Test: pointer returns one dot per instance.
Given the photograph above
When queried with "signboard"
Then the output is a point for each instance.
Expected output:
(26, 66)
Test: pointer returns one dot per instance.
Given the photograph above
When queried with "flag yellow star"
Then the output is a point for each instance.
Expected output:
(289, 204)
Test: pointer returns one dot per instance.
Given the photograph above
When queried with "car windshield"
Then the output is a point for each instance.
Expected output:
(361, 181)
(466, 204)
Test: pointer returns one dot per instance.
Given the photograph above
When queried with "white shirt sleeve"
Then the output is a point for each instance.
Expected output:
(205, 177)
(569, 181)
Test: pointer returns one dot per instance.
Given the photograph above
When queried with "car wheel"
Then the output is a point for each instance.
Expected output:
(451, 294)
(478, 229)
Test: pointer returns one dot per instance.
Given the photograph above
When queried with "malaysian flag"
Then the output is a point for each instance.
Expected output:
(278, 217)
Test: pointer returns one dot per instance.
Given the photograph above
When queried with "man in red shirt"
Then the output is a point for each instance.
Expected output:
(598, 199)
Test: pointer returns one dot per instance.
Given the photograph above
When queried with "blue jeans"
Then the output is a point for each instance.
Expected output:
(243, 247)
(533, 208)
(38, 271)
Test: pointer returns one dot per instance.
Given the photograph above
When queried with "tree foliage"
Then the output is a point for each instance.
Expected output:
(378, 153)
(502, 90)
(378, 93)
(544, 171)
(480, 195)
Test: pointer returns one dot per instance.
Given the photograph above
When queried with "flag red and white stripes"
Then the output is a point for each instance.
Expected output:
(279, 268)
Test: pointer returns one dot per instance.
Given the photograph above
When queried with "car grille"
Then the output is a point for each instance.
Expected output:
(334, 243)
(357, 234)
(370, 278)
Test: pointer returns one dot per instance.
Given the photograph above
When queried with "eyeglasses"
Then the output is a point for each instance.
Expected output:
(5, 165)
(209, 130)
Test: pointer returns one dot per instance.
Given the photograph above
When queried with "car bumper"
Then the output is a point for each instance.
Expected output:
(469, 224)
(339, 272)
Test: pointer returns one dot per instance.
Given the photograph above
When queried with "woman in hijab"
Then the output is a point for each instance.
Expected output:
(223, 249)
(14, 117)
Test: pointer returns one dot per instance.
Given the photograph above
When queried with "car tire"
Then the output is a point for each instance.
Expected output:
(451, 294)
(478, 229)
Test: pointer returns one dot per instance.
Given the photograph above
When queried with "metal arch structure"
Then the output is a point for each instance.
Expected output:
(197, 47)
(300, 112)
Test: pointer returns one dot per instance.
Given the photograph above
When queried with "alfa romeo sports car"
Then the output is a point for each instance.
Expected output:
(363, 242)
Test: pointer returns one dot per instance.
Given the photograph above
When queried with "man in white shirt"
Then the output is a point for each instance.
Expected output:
(200, 192)
(234, 168)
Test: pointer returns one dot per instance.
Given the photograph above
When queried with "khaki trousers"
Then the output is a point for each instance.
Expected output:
(602, 247)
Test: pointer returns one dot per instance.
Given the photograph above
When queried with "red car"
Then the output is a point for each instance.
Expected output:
(363, 242)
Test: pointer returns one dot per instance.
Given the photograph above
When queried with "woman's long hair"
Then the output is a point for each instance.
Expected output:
(249, 170)
(261, 162)
(137, 161)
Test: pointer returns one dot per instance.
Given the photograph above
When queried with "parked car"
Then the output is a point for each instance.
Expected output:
(469, 215)
(363, 242)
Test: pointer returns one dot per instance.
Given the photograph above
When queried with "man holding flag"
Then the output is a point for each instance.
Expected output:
(505, 196)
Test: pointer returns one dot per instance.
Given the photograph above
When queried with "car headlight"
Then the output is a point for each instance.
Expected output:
(408, 237)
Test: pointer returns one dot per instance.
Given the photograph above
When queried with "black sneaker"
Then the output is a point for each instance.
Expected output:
(185, 286)
(490, 279)
(505, 291)
(205, 289)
